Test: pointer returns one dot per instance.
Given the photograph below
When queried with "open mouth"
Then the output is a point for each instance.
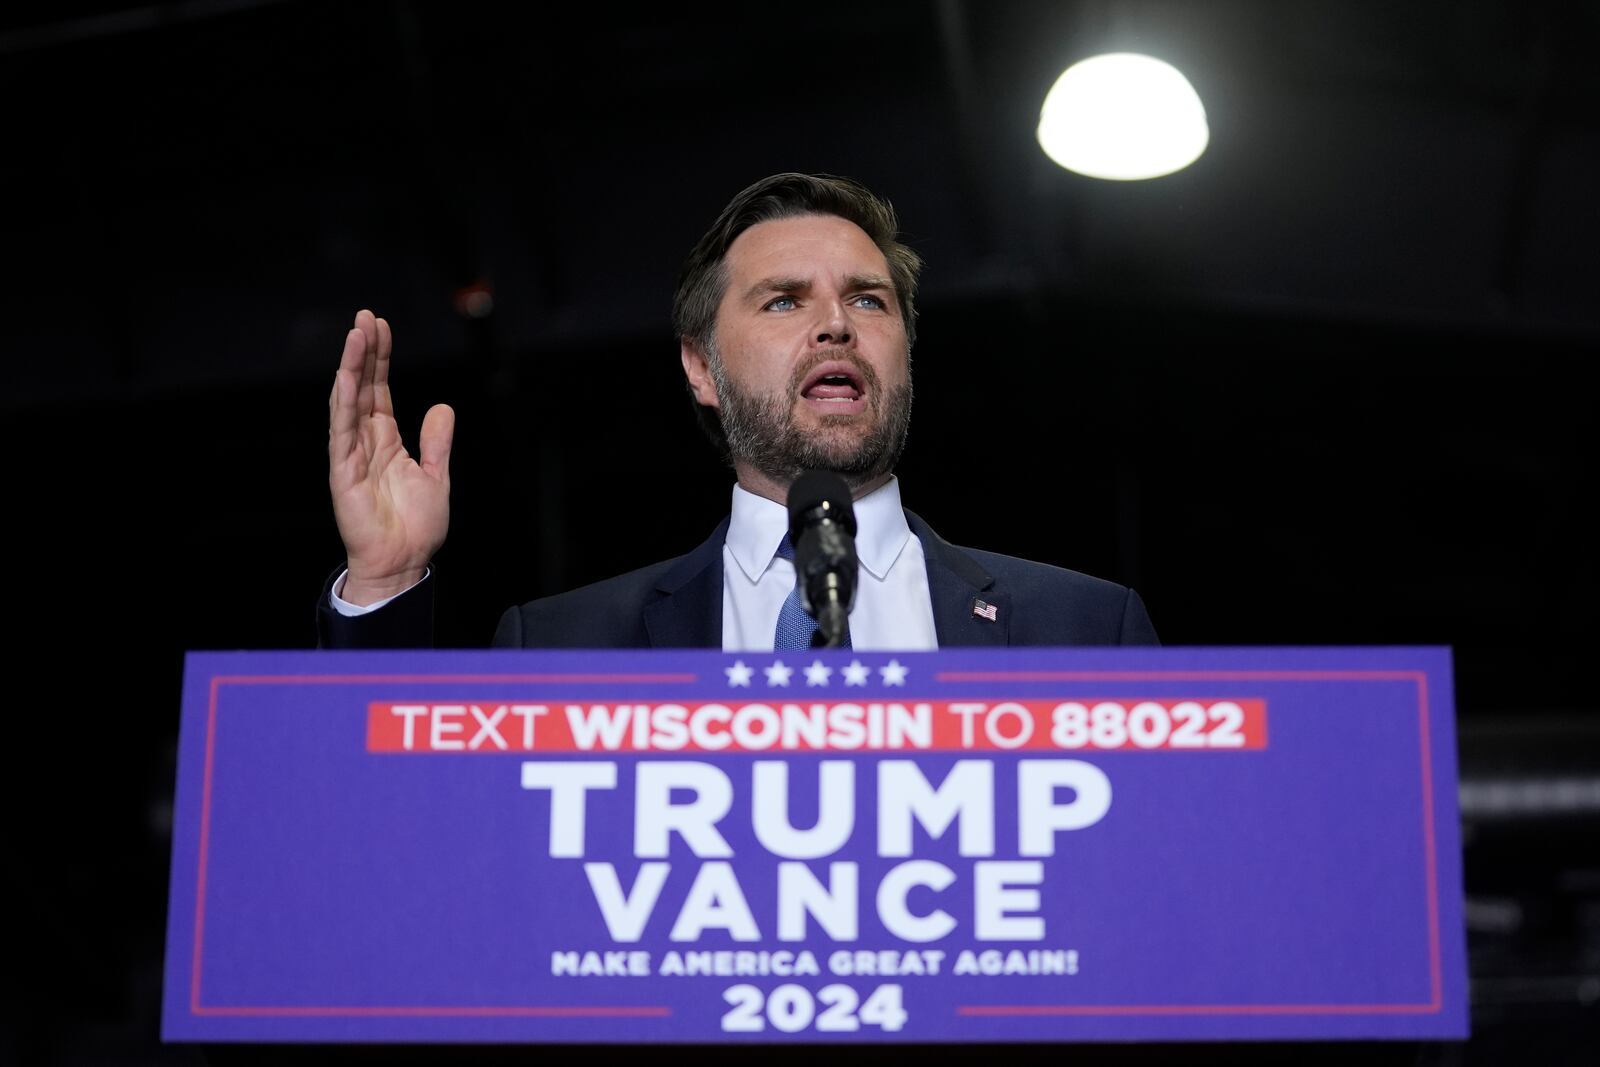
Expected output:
(834, 383)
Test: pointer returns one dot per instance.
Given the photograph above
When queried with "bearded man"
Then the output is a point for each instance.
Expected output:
(795, 315)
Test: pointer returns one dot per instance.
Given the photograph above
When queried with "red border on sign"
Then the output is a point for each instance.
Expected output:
(1420, 679)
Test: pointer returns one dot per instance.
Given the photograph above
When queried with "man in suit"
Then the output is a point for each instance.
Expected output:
(795, 315)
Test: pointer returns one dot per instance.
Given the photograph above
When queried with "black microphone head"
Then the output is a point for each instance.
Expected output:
(822, 529)
(819, 491)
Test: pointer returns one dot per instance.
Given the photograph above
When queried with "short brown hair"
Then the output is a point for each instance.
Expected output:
(704, 278)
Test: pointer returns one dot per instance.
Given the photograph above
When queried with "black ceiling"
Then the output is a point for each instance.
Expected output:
(179, 170)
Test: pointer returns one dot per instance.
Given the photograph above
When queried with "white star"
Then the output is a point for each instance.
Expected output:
(778, 674)
(817, 674)
(893, 673)
(738, 674)
(855, 673)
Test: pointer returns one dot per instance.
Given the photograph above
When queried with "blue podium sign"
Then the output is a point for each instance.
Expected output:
(974, 846)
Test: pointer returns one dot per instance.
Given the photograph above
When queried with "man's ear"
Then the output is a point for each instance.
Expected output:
(698, 371)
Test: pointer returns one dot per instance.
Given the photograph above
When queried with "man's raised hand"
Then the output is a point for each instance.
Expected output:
(393, 511)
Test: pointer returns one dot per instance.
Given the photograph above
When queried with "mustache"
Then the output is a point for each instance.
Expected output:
(803, 369)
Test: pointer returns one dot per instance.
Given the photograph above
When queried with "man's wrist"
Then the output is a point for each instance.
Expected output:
(364, 592)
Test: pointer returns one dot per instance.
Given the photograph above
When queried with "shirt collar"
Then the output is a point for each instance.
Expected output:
(757, 526)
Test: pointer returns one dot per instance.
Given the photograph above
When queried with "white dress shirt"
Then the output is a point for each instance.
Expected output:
(893, 607)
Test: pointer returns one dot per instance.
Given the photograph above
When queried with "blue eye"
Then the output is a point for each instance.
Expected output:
(772, 305)
(874, 301)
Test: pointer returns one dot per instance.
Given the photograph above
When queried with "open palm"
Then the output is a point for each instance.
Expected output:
(393, 511)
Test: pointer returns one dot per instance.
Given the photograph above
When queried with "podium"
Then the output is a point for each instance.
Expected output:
(1030, 845)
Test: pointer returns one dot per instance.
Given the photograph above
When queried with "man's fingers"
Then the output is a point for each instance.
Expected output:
(438, 427)
(367, 323)
(344, 418)
(381, 401)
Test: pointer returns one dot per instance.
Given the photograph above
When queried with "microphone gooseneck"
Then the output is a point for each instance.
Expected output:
(822, 529)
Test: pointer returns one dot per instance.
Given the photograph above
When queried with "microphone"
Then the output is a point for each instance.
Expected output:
(822, 529)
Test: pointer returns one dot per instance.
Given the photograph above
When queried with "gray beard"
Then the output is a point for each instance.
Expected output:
(761, 429)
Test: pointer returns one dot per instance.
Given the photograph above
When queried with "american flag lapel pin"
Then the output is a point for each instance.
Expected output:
(983, 610)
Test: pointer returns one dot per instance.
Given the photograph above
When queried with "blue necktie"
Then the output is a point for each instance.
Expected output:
(796, 630)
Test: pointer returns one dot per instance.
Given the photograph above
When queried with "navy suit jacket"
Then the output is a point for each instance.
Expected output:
(678, 604)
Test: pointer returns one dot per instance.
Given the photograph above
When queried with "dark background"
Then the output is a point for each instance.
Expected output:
(1333, 384)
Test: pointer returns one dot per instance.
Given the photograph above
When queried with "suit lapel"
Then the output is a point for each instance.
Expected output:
(956, 582)
(689, 612)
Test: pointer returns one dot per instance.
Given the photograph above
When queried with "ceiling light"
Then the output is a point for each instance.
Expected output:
(1123, 117)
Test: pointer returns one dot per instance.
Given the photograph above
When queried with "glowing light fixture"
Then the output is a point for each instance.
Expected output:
(1124, 117)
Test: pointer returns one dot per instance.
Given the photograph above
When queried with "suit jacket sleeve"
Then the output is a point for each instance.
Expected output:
(404, 622)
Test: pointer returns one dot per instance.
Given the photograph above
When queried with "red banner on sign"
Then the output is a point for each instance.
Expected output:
(1224, 725)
